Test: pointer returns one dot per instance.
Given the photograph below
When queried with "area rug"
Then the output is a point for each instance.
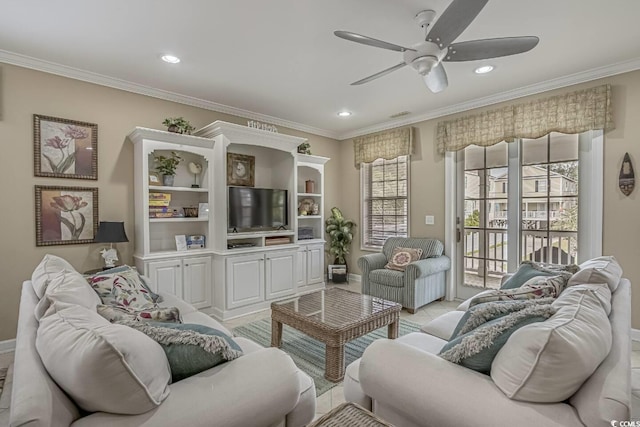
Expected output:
(308, 353)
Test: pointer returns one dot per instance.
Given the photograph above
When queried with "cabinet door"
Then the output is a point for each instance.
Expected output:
(280, 273)
(197, 281)
(315, 264)
(167, 276)
(245, 280)
(301, 267)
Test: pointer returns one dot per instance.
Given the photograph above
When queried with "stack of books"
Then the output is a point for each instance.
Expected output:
(159, 205)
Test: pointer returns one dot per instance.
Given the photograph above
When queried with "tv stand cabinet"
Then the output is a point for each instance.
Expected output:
(238, 271)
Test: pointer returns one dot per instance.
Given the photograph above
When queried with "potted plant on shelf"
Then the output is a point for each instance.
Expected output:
(167, 167)
(178, 125)
(340, 232)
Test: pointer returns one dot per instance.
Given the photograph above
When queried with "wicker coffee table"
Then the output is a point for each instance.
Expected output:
(334, 316)
(350, 415)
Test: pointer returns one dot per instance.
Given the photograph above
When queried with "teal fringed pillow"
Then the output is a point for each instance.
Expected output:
(190, 348)
(530, 269)
(477, 348)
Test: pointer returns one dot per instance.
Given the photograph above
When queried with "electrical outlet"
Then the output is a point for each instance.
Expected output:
(429, 220)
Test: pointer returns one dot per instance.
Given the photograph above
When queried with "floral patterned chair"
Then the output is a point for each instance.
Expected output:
(422, 281)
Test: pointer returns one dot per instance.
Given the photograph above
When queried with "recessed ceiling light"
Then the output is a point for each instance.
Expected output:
(344, 113)
(484, 69)
(170, 59)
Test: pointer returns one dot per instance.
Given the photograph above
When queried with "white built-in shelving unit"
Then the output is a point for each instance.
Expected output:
(239, 271)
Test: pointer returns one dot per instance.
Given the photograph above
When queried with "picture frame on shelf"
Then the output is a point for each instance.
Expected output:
(65, 148)
(154, 178)
(66, 215)
(240, 170)
(181, 242)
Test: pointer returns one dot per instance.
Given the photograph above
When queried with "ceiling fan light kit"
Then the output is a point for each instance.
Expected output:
(427, 57)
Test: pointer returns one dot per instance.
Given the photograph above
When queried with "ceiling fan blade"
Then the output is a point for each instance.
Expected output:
(379, 74)
(437, 80)
(347, 35)
(490, 48)
(454, 20)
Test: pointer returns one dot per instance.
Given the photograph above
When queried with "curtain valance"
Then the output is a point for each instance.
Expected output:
(573, 112)
(386, 145)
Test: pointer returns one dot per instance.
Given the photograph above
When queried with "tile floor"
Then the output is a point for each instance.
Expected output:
(331, 398)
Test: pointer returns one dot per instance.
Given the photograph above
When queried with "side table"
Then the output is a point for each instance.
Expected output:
(352, 415)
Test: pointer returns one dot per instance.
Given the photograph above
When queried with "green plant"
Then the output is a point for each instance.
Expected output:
(340, 231)
(304, 148)
(178, 124)
(167, 165)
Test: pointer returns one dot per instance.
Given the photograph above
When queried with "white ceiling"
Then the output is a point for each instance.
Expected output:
(279, 58)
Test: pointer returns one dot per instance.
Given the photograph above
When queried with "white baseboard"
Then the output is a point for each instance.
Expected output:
(635, 334)
(355, 277)
(7, 346)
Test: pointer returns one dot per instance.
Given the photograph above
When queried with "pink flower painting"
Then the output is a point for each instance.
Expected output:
(65, 215)
(65, 149)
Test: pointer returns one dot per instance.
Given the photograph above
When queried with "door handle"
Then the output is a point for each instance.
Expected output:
(458, 235)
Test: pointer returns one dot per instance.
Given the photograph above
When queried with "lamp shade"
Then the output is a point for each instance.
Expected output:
(111, 232)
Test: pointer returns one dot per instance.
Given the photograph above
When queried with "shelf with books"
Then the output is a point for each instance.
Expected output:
(160, 188)
(178, 219)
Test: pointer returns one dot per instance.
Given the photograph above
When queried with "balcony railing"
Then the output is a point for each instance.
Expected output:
(527, 215)
(485, 262)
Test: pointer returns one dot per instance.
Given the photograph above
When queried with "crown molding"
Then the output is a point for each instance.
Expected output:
(560, 82)
(102, 80)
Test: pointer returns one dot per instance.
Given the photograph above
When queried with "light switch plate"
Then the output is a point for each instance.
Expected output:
(429, 220)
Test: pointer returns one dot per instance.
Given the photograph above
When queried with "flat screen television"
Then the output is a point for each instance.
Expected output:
(257, 208)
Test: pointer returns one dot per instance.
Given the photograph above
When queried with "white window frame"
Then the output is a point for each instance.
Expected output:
(364, 247)
(590, 204)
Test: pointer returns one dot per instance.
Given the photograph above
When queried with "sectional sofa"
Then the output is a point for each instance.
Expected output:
(570, 370)
(263, 387)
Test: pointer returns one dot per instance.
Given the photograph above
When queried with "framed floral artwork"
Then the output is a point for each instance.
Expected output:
(66, 215)
(240, 169)
(65, 148)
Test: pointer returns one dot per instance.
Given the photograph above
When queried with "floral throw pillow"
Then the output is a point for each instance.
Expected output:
(115, 313)
(402, 257)
(122, 288)
(534, 288)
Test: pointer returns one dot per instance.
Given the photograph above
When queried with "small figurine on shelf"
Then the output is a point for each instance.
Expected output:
(304, 148)
(195, 169)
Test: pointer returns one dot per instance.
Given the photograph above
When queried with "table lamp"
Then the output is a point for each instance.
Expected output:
(110, 232)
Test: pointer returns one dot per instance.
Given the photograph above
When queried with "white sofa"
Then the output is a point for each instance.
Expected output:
(405, 382)
(261, 388)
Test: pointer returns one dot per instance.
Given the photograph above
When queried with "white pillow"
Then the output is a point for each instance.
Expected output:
(548, 361)
(464, 306)
(102, 366)
(67, 287)
(49, 267)
(604, 269)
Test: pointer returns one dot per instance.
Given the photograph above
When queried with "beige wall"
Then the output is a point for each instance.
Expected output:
(621, 214)
(26, 92)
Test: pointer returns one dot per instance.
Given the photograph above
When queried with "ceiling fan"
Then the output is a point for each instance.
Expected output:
(426, 57)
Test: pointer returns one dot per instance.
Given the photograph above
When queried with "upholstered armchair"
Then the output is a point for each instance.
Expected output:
(422, 281)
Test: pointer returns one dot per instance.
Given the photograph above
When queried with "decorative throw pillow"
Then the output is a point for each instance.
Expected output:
(67, 287)
(103, 367)
(402, 257)
(114, 313)
(477, 349)
(482, 313)
(549, 362)
(122, 287)
(534, 288)
(190, 348)
(48, 268)
(530, 269)
(604, 269)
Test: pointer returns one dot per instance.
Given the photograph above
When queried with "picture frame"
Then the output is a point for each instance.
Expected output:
(65, 148)
(66, 215)
(240, 170)
(154, 178)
